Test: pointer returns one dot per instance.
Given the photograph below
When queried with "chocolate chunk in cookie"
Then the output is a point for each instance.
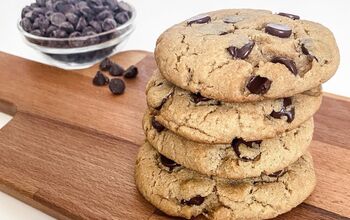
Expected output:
(197, 200)
(200, 19)
(290, 64)
(259, 85)
(243, 52)
(291, 16)
(287, 110)
(278, 30)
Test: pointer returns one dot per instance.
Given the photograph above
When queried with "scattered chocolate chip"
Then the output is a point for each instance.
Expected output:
(278, 30)
(238, 141)
(100, 79)
(105, 64)
(197, 97)
(278, 173)
(200, 19)
(116, 70)
(258, 85)
(168, 163)
(117, 86)
(291, 16)
(158, 126)
(197, 200)
(131, 72)
(286, 111)
(290, 64)
(243, 52)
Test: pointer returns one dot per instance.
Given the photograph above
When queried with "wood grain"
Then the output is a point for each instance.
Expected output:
(70, 148)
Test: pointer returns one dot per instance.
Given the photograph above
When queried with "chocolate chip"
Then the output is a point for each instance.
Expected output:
(223, 33)
(291, 16)
(200, 19)
(57, 18)
(117, 86)
(286, 111)
(278, 30)
(122, 17)
(290, 64)
(59, 33)
(109, 24)
(307, 53)
(116, 70)
(232, 19)
(50, 30)
(105, 64)
(81, 24)
(96, 26)
(259, 85)
(100, 79)
(26, 24)
(156, 125)
(197, 97)
(66, 26)
(167, 162)
(96, 5)
(278, 173)
(104, 14)
(238, 141)
(36, 32)
(25, 10)
(72, 18)
(243, 52)
(131, 72)
(197, 200)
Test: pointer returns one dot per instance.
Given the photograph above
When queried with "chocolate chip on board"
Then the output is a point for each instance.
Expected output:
(100, 79)
(200, 19)
(131, 72)
(197, 200)
(117, 86)
(291, 16)
(258, 85)
(243, 52)
(290, 64)
(116, 70)
(167, 162)
(105, 64)
(158, 126)
(278, 30)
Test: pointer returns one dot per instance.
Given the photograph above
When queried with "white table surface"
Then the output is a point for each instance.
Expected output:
(155, 16)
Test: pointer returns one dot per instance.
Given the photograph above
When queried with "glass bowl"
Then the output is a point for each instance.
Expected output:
(81, 52)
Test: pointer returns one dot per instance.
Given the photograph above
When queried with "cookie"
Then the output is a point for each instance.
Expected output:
(247, 55)
(237, 160)
(178, 191)
(210, 121)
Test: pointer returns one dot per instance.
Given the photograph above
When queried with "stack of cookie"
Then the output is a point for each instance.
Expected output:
(230, 114)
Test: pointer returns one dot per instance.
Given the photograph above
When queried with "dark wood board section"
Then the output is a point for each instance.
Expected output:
(70, 148)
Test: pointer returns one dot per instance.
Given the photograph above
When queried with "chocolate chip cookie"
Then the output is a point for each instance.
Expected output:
(240, 159)
(181, 192)
(247, 55)
(205, 120)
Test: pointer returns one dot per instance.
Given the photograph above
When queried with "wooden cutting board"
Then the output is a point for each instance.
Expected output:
(70, 148)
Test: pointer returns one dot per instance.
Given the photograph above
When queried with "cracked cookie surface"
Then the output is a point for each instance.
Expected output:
(213, 58)
(223, 160)
(185, 193)
(209, 121)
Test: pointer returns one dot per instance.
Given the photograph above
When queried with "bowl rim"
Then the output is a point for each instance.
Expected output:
(82, 38)
(76, 50)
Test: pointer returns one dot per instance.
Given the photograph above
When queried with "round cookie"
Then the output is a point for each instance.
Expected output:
(209, 121)
(237, 160)
(181, 192)
(247, 55)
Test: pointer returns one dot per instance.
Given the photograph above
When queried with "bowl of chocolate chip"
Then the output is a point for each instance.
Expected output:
(76, 34)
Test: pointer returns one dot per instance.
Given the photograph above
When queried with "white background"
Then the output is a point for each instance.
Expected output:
(155, 16)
